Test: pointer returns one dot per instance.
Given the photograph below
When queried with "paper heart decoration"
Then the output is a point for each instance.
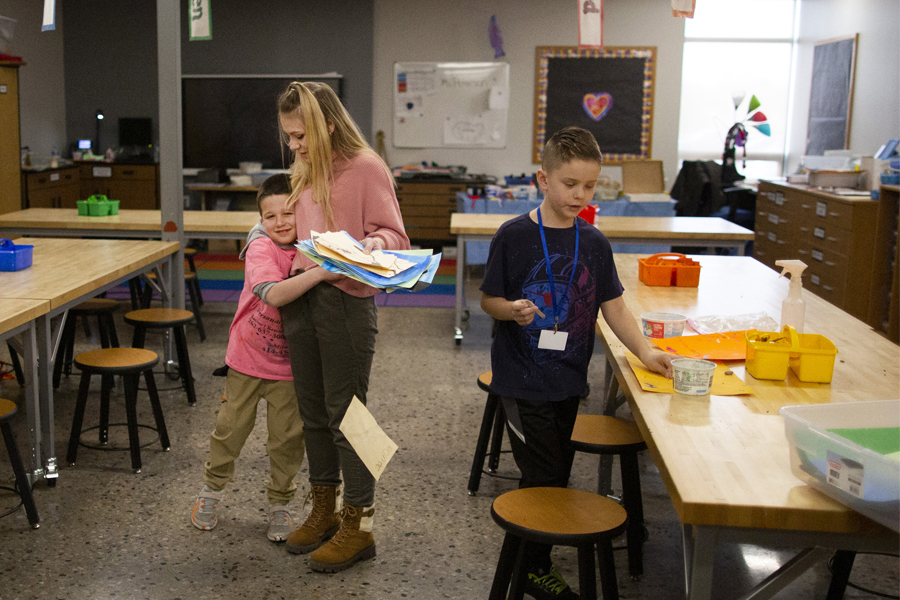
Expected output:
(597, 105)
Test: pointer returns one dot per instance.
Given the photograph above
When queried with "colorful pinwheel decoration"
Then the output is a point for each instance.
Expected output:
(737, 135)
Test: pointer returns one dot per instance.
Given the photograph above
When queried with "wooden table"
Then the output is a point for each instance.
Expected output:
(213, 189)
(685, 231)
(64, 273)
(725, 459)
(231, 225)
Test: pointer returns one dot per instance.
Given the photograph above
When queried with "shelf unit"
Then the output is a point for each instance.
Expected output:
(10, 157)
(884, 308)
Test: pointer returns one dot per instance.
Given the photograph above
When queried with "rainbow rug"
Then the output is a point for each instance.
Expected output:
(222, 278)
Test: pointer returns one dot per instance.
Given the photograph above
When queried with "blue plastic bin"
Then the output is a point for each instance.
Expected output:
(13, 257)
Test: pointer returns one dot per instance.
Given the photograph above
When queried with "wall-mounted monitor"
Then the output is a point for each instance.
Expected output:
(229, 119)
(85, 144)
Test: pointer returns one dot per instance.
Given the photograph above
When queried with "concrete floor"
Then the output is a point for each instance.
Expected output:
(108, 533)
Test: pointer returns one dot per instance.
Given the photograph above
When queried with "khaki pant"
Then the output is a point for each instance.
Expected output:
(235, 421)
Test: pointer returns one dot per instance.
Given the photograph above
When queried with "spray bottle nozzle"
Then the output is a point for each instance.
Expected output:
(793, 266)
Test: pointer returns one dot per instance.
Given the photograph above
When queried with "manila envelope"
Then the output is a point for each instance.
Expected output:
(371, 443)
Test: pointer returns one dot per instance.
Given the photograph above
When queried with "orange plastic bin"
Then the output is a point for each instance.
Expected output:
(669, 269)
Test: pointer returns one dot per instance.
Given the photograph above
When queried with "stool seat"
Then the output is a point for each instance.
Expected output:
(8, 410)
(95, 306)
(601, 434)
(187, 275)
(192, 285)
(484, 381)
(159, 317)
(190, 251)
(117, 360)
(558, 517)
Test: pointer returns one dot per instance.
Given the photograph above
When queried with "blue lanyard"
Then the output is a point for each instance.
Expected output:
(556, 307)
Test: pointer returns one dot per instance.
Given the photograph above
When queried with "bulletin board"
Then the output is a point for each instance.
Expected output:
(450, 105)
(608, 91)
(831, 95)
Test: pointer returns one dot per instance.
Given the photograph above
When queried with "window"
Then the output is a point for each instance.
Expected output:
(735, 49)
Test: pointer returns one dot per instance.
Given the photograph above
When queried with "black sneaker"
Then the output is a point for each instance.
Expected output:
(549, 585)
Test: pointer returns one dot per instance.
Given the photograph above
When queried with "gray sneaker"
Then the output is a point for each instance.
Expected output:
(280, 524)
(204, 514)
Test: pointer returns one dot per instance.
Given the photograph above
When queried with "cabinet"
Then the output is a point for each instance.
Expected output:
(426, 208)
(10, 157)
(134, 186)
(884, 308)
(831, 234)
(51, 188)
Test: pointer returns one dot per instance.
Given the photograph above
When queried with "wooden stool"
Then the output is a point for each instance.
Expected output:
(7, 412)
(166, 318)
(491, 431)
(101, 308)
(189, 254)
(600, 434)
(129, 363)
(560, 517)
(192, 285)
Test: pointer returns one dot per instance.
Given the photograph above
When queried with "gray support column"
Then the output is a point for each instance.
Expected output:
(171, 177)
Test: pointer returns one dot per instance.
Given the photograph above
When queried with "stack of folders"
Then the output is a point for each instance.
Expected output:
(390, 270)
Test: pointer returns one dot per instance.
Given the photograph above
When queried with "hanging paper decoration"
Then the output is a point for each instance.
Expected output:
(201, 21)
(597, 105)
(496, 38)
(754, 104)
(590, 23)
(763, 128)
(683, 8)
(737, 135)
(759, 117)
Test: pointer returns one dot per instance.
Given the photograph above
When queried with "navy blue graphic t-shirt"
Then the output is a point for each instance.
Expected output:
(516, 269)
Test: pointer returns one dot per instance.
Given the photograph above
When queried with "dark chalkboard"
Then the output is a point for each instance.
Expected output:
(607, 91)
(831, 95)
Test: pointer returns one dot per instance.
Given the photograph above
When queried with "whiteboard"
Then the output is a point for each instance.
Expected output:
(450, 105)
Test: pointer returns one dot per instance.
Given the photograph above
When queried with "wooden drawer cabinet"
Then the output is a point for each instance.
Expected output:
(831, 234)
(134, 186)
(53, 188)
(426, 208)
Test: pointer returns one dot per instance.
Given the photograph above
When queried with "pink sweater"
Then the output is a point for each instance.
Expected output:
(364, 205)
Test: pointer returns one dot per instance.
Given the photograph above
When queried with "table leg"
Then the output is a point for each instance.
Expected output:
(699, 553)
(741, 248)
(460, 291)
(33, 464)
(45, 394)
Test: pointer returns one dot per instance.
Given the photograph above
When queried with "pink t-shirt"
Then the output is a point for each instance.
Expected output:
(256, 344)
(364, 205)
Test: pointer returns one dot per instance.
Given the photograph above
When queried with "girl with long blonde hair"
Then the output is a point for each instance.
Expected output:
(338, 183)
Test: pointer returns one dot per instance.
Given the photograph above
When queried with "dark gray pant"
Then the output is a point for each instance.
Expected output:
(331, 340)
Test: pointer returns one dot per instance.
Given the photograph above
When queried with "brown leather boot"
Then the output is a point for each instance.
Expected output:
(323, 521)
(352, 543)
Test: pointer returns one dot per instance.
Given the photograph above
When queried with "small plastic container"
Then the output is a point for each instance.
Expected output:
(82, 208)
(809, 356)
(693, 376)
(669, 269)
(662, 325)
(858, 477)
(589, 213)
(113, 207)
(14, 257)
(890, 179)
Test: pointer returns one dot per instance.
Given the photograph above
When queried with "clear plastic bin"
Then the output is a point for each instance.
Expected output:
(860, 478)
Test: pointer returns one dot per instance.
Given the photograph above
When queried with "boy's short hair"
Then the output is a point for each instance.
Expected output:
(276, 185)
(570, 143)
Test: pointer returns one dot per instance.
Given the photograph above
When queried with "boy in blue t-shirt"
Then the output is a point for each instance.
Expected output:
(545, 337)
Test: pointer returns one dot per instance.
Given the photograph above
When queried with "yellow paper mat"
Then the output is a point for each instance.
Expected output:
(723, 385)
(728, 345)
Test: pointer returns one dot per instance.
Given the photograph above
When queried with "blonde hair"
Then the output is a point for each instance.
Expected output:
(319, 108)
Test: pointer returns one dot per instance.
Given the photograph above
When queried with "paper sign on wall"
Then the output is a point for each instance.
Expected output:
(590, 23)
(371, 443)
(49, 22)
(201, 21)
(683, 8)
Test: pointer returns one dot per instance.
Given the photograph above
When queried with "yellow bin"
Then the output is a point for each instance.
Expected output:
(809, 356)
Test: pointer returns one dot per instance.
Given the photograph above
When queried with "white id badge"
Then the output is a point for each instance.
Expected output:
(553, 340)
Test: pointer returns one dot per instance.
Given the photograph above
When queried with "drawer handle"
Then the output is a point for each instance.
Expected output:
(802, 251)
(804, 205)
(804, 229)
(128, 172)
(834, 214)
(828, 287)
(831, 239)
(829, 263)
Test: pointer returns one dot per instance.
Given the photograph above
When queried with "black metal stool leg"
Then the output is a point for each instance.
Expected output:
(157, 409)
(134, 441)
(502, 575)
(78, 419)
(21, 478)
(111, 330)
(134, 287)
(104, 334)
(587, 579)
(184, 363)
(195, 306)
(140, 336)
(106, 384)
(487, 421)
(631, 501)
(17, 366)
(840, 574)
(608, 584)
(497, 436)
(519, 573)
(64, 353)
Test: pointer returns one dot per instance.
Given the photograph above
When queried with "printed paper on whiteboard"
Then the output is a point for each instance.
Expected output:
(201, 21)
(370, 442)
(590, 23)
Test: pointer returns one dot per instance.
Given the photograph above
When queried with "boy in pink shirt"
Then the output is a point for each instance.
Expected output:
(259, 367)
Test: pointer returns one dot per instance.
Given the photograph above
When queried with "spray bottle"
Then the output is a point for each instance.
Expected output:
(793, 309)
